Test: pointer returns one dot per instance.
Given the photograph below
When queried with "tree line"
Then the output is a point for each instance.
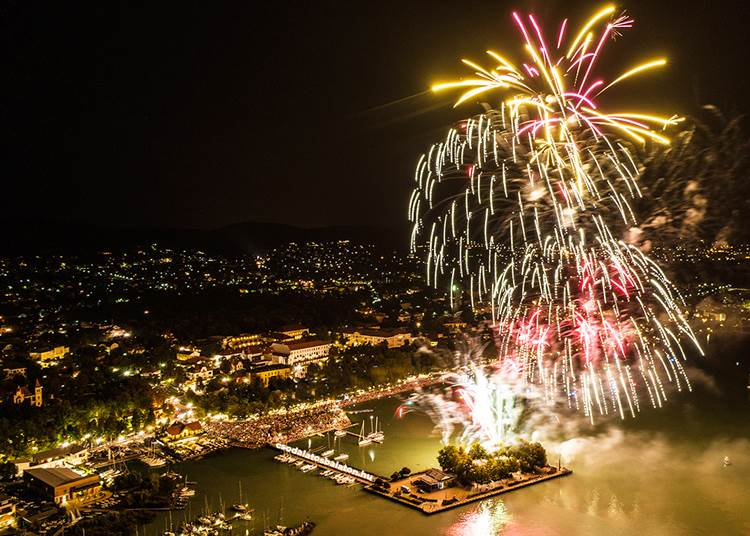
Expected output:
(478, 465)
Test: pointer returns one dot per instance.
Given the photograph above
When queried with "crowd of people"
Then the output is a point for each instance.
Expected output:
(409, 385)
(303, 420)
(282, 426)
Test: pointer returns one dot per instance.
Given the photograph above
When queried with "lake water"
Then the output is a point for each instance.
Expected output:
(660, 474)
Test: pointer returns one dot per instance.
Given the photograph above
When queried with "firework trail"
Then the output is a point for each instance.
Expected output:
(474, 403)
(520, 211)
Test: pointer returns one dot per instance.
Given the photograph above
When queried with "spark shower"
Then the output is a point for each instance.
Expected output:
(525, 212)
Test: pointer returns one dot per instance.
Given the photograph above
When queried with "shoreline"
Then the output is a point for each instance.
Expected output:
(279, 427)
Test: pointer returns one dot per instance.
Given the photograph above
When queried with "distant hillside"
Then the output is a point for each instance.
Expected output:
(249, 236)
(246, 237)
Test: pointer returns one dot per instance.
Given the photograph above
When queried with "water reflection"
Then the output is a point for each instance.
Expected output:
(490, 517)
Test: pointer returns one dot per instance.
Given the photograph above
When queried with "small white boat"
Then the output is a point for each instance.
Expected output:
(153, 461)
(727, 461)
(363, 439)
(327, 453)
(376, 434)
(342, 456)
(340, 433)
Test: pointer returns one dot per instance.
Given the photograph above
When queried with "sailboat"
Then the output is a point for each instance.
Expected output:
(329, 451)
(342, 433)
(363, 439)
(240, 506)
(376, 434)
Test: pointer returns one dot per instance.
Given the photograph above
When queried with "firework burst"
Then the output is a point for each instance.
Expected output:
(522, 210)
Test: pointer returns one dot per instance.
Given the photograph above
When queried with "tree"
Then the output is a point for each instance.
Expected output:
(7, 471)
(451, 457)
(478, 452)
(502, 466)
(529, 455)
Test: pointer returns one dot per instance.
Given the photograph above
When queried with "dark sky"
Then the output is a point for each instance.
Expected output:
(200, 114)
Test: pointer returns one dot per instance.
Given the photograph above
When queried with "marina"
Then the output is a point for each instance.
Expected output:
(314, 460)
(427, 503)
(604, 496)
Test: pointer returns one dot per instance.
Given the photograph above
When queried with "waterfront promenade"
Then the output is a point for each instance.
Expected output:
(304, 420)
(281, 426)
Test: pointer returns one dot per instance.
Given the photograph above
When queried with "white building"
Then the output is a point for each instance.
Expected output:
(300, 352)
(200, 373)
(394, 338)
(295, 331)
(68, 456)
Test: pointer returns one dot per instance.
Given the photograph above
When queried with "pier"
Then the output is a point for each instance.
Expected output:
(379, 441)
(426, 502)
(363, 477)
(455, 497)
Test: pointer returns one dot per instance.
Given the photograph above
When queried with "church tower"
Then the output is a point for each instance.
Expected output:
(37, 394)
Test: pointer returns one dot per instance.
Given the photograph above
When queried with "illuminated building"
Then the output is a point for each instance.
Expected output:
(22, 395)
(179, 430)
(295, 331)
(71, 455)
(434, 480)
(300, 352)
(264, 374)
(201, 373)
(242, 341)
(58, 352)
(62, 484)
(394, 338)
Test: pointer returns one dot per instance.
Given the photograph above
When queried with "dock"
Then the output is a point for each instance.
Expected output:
(428, 503)
(363, 477)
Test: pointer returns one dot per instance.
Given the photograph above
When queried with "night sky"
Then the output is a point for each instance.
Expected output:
(201, 114)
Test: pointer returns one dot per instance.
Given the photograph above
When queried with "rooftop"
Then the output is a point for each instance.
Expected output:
(301, 345)
(438, 475)
(267, 368)
(376, 332)
(56, 453)
(55, 476)
(291, 327)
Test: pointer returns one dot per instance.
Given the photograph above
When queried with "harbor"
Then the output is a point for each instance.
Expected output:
(405, 491)
(604, 493)
(338, 472)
